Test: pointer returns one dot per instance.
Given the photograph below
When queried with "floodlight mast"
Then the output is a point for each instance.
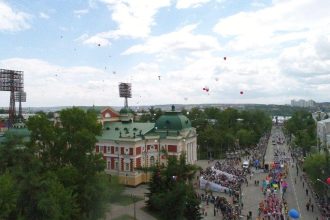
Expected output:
(20, 97)
(125, 91)
(12, 81)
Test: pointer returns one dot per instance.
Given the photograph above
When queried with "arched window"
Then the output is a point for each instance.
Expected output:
(107, 115)
(152, 161)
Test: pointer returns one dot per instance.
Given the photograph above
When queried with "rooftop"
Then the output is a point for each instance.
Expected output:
(120, 130)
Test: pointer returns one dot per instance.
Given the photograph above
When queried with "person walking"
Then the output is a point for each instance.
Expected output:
(306, 192)
(303, 184)
(295, 181)
(307, 206)
(312, 206)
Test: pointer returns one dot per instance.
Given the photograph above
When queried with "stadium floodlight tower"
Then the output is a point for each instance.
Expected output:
(12, 81)
(125, 91)
(20, 97)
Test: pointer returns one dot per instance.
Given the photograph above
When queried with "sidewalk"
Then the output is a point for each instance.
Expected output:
(119, 210)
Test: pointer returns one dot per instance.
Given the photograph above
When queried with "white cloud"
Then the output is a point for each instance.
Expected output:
(134, 18)
(11, 20)
(81, 12)
(183, 4)
(283, 21)
(43, 15)
(97, 40)
(47, 84)
(258, 79)
(308, 59)
(177, 41)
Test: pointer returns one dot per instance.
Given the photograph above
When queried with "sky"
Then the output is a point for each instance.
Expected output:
(172, 51)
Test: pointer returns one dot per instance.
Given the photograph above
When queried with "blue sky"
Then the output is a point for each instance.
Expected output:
(77, 52)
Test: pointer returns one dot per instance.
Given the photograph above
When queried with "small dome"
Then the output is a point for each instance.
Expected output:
(173, 121)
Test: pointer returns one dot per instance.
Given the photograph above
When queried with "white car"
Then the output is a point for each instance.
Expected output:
(246, 164)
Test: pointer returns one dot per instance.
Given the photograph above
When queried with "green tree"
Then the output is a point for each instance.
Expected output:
(173, 183)
(303, 127)
(8, 195)
(317, 167)
(66, 150)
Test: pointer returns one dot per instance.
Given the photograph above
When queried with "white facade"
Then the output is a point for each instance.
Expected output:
(323, 132)
(303, 103)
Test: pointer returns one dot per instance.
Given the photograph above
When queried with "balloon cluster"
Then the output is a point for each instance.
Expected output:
(206, 89)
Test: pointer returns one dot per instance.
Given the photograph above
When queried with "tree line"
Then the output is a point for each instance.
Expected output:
(220, 131)
(302, 128)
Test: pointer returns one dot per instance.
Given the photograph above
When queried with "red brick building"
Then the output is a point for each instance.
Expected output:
(127, 145)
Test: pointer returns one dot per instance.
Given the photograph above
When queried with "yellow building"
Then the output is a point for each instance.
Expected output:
(127, 145)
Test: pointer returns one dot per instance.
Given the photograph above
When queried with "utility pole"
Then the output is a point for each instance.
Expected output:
(134, 200)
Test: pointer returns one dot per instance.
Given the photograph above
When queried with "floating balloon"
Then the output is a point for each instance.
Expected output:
(159, 77)
(241, 92)
(328, 180)
(206, 89)
(225, 58)
(99, 45)
(294, 214)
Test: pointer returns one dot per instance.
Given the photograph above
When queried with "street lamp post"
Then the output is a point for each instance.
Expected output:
(134, 201)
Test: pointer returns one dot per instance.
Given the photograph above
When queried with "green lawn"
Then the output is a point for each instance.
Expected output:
(125, 200)
(124, 217)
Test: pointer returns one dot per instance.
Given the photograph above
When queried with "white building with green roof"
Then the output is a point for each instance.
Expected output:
(128, 146)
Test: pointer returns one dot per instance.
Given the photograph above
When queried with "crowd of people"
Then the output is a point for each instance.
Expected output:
(271, 207)
(229, 176)
(221, 204)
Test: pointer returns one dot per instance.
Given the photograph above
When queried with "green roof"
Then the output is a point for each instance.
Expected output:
(173, 121)
(112, 130)
(20, 132)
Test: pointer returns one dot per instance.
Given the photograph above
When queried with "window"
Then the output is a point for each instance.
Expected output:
(107, 115)
(108, 149)
(116, 149)
(109, 165)
(116, 165)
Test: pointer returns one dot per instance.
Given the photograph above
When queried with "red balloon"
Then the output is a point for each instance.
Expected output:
(328, 180)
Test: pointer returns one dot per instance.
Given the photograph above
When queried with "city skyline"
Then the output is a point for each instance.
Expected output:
(77, 53)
